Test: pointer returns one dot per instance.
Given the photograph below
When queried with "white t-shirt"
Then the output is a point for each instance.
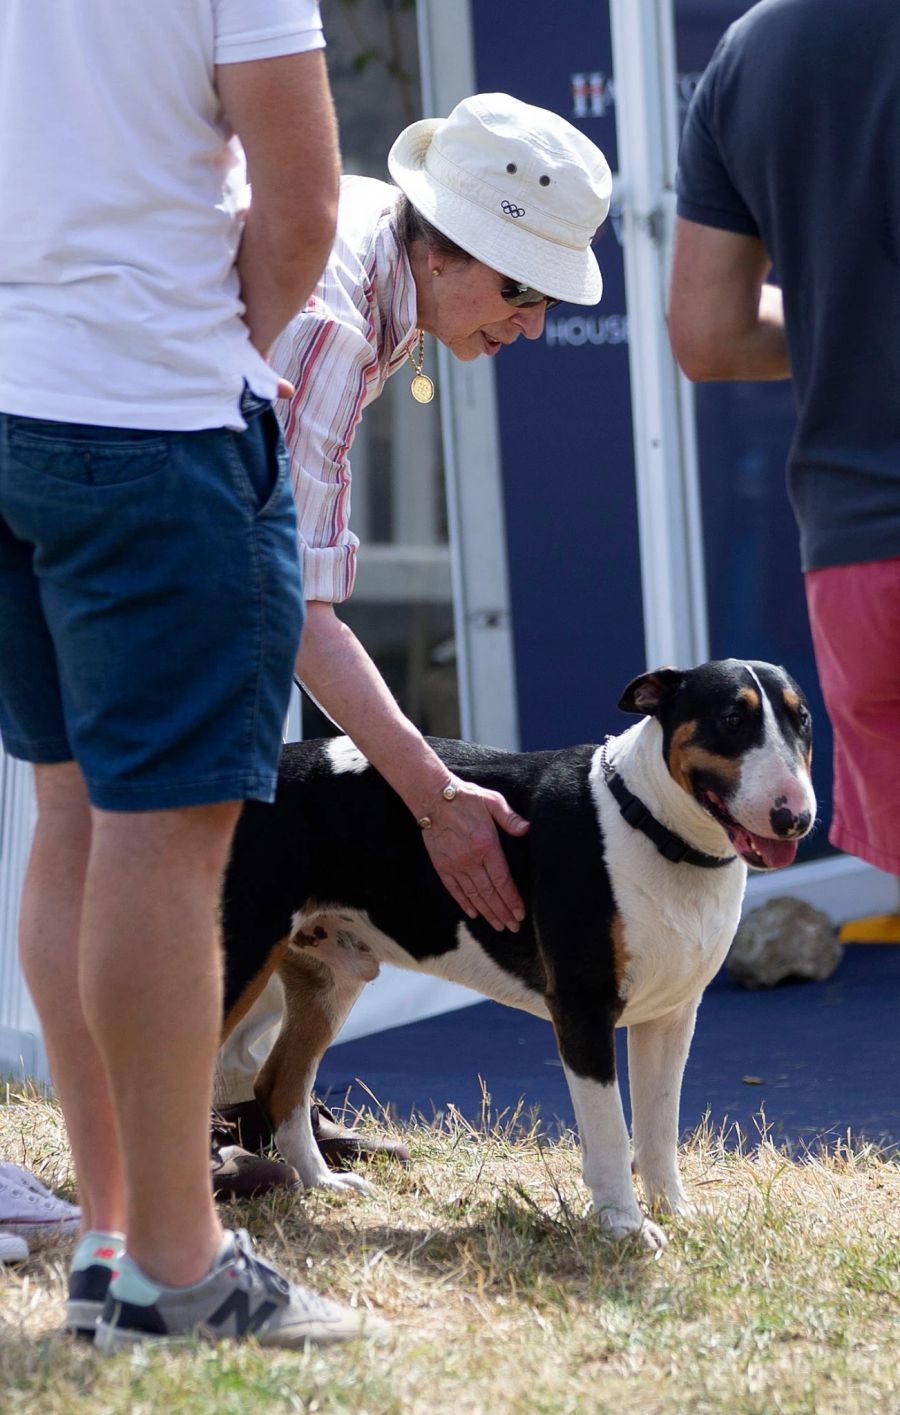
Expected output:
(119, 300)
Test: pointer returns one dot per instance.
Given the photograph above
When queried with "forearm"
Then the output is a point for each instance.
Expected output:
(758, 351)
(336, 669)
(725, 321)
(461, 836)
(282, 111)
(754, 350)
(278, 272)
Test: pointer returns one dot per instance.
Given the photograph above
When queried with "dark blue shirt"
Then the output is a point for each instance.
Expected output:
(793, 136)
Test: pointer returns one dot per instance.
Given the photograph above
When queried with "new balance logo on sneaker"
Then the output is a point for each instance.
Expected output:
(241, 1296)
(246, 1319)
(94, 1262)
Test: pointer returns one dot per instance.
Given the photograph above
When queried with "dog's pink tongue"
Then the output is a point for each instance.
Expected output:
(774, 853)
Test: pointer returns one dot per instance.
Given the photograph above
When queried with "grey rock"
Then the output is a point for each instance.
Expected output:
(783, 939)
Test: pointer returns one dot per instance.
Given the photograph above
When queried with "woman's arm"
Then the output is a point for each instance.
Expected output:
(462, 841)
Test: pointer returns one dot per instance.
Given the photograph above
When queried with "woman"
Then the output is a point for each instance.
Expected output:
(489, 225)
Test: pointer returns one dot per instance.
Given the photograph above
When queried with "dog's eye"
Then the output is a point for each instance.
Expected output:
(731, 721)
(802, 715)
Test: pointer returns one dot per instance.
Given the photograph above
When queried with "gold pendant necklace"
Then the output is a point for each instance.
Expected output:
(421, 388)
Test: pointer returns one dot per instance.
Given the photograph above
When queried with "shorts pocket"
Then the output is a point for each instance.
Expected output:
(252, 404)
(259, 463)
(118, 457)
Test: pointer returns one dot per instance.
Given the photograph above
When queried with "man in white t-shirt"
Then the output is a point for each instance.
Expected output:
(150, 596)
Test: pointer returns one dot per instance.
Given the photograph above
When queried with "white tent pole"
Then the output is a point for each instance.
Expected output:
(675, 624)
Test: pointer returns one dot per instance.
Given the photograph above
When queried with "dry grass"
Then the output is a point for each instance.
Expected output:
(504, 1297)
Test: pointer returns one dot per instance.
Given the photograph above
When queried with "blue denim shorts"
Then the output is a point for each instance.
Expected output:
(150, 606)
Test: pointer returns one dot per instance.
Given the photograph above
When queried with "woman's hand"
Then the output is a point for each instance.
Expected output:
(465, 849)
(462, 839)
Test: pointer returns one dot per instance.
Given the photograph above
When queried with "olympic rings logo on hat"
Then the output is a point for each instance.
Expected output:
(512, 210)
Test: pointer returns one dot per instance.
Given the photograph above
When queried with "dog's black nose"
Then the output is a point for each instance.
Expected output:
(784, 822)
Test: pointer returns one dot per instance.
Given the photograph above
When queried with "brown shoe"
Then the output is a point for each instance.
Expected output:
(243, 1124)
(239, 1175)
(340, 1146)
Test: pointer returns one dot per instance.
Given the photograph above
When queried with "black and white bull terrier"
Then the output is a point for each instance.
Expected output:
(632, 875)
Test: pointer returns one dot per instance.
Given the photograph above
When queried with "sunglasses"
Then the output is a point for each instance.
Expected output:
(523, 296)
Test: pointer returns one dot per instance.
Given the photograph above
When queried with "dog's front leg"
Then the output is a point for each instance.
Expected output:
(585, 1034)
(606, 1159)
(316, 1001)
(657, 1052)
(584, 1021)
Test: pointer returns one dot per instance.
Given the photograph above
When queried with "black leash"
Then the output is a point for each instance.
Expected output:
(301, 687)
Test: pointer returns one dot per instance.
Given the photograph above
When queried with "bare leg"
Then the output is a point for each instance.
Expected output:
(152, 993)
(49, 927)
(148, 967)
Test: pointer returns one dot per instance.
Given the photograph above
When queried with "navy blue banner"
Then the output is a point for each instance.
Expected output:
(565, 417)
(566, 439)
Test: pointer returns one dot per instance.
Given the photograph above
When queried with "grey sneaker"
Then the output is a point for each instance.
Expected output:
(93, 1263)
(241, 1296)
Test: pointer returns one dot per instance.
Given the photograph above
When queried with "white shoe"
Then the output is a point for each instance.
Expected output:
(27, 1207)
(17, 1174)
(13, 1249)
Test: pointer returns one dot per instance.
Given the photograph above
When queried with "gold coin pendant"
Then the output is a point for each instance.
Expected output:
(422, 388)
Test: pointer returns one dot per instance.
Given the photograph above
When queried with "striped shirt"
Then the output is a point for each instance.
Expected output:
(355, 331)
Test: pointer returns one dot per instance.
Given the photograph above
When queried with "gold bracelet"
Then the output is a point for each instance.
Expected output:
(450, 791)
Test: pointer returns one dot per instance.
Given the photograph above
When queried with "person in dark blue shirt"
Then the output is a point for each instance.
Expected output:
(790, 157)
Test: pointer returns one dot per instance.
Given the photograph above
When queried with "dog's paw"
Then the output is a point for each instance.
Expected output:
(651, 1236)
(675, 1203)
(344, 1182)
(663, 1191)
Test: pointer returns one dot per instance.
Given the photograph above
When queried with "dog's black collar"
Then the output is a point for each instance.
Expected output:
(669, 845)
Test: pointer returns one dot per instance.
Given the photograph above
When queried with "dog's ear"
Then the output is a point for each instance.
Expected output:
(647, 693)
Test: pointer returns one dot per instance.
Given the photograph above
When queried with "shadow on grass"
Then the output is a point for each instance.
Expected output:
(508, 1245)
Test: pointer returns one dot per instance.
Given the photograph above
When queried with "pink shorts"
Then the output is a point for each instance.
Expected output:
(854, 611)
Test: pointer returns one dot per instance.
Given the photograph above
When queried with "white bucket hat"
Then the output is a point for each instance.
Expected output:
(515, 186)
